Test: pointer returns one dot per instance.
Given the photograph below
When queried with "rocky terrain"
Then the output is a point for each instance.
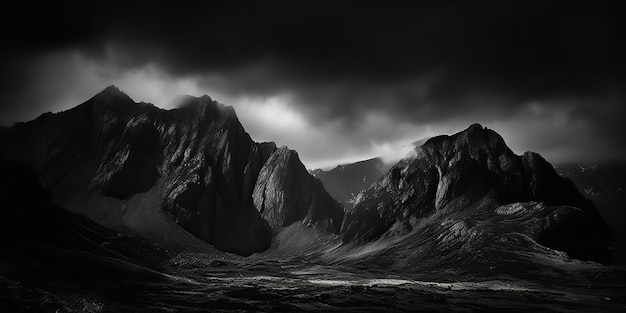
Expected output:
(467, 179)
(119, 206)
(602, 183)
(167, 174)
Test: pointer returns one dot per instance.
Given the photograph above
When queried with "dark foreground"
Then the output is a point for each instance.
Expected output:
(200, 283)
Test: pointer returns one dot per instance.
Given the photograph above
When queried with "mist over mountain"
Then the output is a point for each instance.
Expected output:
(473, 174)
(181, 209)
(601, 183)
(256, 156)
(167, 174)
(345, 181)
(548, 76)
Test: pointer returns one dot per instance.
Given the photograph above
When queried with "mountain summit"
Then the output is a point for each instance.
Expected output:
(474, 179)
(154, 194)
(193, 172)
(170, 173)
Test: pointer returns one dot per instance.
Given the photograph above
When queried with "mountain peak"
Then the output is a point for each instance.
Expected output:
(111, 88)
(184, 101)
(196, 162)
(203, 106)
(476, 139)
(112, 96)
(470, 174)
(477, 133)
(475, 127)
(111, 91)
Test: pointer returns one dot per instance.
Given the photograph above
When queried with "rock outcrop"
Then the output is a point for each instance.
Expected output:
(131, 164)
(286, 193)
(469, 175)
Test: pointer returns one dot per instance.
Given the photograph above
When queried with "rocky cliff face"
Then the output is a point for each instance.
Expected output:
(467, 178)
(134, 165)
(286, 193)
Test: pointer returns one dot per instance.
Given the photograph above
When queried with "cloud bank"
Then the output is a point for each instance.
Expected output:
(340, 82)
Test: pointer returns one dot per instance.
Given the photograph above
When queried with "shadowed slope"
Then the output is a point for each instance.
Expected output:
(40, 242)
(465, 176)
(128, 164)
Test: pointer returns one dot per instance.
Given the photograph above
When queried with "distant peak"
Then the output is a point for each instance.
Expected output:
(112, 91)
(475, 127)
(204, 106)
(111, 88)
(477, 133)
(476, 137)
(184, 101)
(205, 97)
(111, 97)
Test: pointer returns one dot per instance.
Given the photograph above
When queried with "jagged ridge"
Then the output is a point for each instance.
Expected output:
(134, 165)
(469, 172)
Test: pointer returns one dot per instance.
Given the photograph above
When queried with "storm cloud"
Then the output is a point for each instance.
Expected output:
(340, 81)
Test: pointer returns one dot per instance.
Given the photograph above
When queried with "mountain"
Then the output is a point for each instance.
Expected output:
(460, 190)
(285, 193)
(44, 243)
(166, 174)
(461, 222)
(345, 181)
(603, 184)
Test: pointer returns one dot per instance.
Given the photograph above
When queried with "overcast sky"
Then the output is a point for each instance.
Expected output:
(340, 82)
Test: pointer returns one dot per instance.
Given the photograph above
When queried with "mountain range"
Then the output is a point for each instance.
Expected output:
(128, 194)
(602, 183)
(170, 174)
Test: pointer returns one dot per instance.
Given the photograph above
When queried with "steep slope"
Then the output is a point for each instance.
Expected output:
(454, 186)
(132, 165)
(40, 242)
(286, 193)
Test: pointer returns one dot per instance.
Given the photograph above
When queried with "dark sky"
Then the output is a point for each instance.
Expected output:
(340, 81)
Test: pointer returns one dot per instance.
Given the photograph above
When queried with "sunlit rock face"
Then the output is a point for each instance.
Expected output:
(134, 165)
(470, 176)
(285, 193)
